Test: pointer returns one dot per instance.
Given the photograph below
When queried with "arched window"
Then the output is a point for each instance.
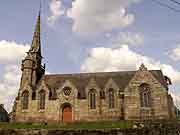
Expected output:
(50, 95)
(79, 95)
(111, 98)
(34, 95)
(25, 100)
(145, 95)
(92, 99)
(102, 94)
(42, 97)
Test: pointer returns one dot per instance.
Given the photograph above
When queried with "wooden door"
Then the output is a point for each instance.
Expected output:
(67, 114)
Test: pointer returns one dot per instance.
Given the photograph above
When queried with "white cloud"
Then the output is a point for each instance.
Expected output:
(108, 59)
(11, 52)
(123, 59)
(129, 38)
(11, 55)
(9, 85)
(176, 99)
(56, 9)
(12, 74)
(100, 15)
(175, 54)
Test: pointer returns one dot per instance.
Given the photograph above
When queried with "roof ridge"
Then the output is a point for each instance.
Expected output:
(91, 73)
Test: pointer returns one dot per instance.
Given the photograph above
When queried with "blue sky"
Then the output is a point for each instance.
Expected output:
(90, 36)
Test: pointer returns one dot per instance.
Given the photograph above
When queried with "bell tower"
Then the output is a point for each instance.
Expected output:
(32, 70)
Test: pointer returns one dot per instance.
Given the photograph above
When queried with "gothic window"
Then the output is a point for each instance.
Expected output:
(50, 95)
(33, 95)
(111, 98)
(79, 94)
(102, 94)
(145, 95)
(54, 94)
(42, 97)
(92, 99)
(25, 100)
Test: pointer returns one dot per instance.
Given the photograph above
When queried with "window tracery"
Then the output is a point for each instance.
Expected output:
(102, 94)
(25, 100)
(34, 95)
(50, 95)
(92, 99)
(111, 98)
(145, 95)
(67, 91)
(42, 98)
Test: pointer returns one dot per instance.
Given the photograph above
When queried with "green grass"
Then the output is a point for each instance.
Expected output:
(80, 125)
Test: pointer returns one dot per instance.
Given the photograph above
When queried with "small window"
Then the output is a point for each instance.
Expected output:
(102, 94)
(92, 99)
(79, 94)
(111, 98)
(50, 95)
(42, 99)
(25, 100)
(33, 95)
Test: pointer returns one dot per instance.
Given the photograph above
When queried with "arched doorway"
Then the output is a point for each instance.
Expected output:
(67, 113)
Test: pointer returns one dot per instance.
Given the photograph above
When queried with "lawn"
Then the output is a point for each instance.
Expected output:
(80, 125)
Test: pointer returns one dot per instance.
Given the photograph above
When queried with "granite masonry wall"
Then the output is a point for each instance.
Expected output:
(144, 131)
(127, 103)
(155, 128)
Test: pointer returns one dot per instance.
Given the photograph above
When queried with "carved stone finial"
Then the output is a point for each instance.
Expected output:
(143, 67)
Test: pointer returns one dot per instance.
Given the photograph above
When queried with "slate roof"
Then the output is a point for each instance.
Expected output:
(2, 109)
(81, 80)
(3, 114)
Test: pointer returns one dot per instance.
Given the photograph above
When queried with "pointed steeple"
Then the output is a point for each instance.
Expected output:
(32, 70)
(36, 42)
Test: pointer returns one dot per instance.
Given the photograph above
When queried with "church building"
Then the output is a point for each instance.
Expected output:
(57, 98)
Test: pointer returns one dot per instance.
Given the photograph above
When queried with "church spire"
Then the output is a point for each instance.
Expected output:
(36, 42)
(32, 70)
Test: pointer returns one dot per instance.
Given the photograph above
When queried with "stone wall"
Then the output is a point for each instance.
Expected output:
(127, 102)
(174, 130)
(80, 107)
(159, 96)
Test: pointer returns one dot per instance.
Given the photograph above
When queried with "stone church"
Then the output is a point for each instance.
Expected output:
(56, 98)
